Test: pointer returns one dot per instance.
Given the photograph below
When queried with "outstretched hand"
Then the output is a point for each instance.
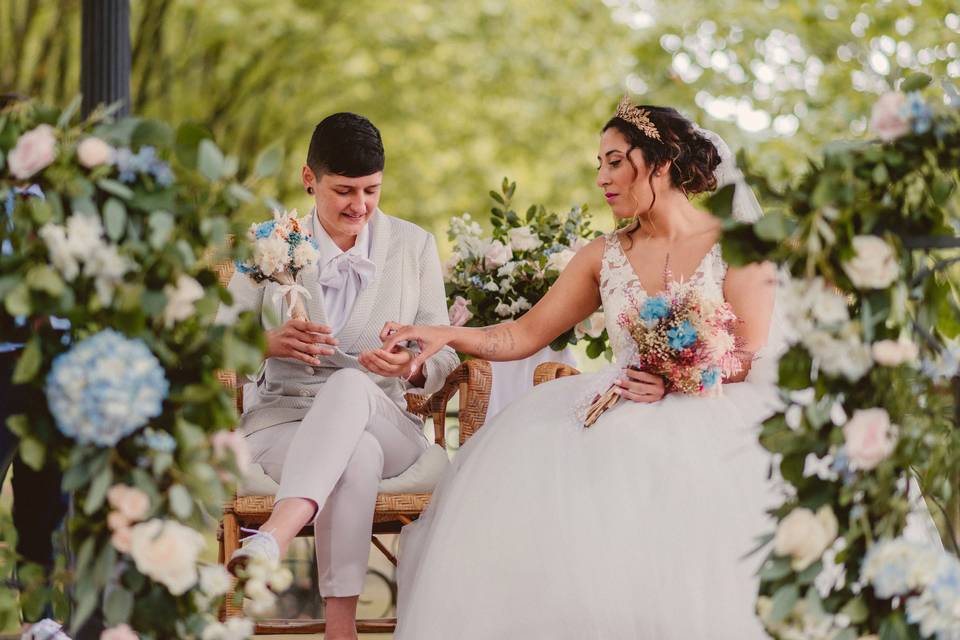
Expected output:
(429, 339)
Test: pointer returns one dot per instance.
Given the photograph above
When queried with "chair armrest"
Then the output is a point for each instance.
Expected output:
(551, 371)
(228, 378)
(472, 379)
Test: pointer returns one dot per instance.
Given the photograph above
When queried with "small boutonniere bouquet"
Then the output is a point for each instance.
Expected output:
(282, 247)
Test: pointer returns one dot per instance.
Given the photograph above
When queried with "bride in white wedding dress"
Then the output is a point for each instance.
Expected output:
(641, 525)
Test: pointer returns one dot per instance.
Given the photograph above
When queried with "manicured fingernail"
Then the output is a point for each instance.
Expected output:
(618, 391)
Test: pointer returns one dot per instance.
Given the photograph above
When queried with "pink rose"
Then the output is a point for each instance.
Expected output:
(117, 521)
(93, 152)
(887, 119)
(131, 502)
(236, 444)
(34, 151)
(121, 539)
(459, 312)
(870, 438)
(119, 632)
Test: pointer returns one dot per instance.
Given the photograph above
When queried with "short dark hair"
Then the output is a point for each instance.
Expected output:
(345, 144)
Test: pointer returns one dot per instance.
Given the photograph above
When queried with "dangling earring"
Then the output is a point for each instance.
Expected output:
(310, 190)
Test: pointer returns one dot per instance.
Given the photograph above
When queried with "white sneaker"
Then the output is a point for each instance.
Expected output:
(260, 545)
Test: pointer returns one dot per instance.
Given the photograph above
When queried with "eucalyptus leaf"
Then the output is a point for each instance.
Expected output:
(118, 605)
(98, 491)
(116, 188)
(33, 452)
(181, 502)
(28, 364)
(783, 601)
(268, 162)
(161, 225)
(210, 160)
(115, 218)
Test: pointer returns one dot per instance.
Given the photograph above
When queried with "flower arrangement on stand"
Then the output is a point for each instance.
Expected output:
(868, 423)
(107, 273)
(493, 279)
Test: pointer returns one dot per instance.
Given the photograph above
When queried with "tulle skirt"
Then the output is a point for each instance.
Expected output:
(639, 527)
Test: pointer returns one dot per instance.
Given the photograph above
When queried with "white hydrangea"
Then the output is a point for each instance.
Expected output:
(305, 254)
(108, 267)
(236, 628)
(214, 580)
(55, 237)
(84, 235)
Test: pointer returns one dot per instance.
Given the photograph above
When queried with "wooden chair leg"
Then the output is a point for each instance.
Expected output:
(386, 552)
(230, 543)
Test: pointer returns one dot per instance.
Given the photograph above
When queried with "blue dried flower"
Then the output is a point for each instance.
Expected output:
(105, 388)
(710, 377)
(654, 309)
(159, 441)
(919, 113)
(265, 229)
(682, 336)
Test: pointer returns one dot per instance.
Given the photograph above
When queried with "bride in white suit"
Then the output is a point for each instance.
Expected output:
(331, 420)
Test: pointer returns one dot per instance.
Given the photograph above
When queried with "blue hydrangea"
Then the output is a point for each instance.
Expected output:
(145, 161)
(682, 336)
(105, 388)
(654, 309)
(919, 113)
(157, 440)
(710, 377)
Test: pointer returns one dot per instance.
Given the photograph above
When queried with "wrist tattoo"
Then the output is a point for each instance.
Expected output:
(497, 340)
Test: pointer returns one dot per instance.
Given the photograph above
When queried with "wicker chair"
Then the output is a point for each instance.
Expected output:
(471, 380)
(551, 371)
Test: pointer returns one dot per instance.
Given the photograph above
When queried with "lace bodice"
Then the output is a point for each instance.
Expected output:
(620, 287)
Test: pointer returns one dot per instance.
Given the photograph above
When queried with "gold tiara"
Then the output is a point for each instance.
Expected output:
(636, 116)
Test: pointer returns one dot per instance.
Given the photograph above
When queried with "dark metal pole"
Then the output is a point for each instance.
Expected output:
(105, 54)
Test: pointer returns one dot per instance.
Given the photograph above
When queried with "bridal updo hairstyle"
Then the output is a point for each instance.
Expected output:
(345, 144)
(693, 158)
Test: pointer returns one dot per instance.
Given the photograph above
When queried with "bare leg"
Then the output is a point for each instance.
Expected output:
(289, 516)
(341, 614)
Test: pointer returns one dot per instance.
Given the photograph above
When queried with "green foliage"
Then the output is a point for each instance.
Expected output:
(899, 195)
(165, 224)
(501, 277)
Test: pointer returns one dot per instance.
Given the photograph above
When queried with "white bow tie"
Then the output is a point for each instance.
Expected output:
(338, 271)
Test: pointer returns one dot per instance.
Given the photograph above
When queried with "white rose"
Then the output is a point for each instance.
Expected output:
(35, 150)
(523, 239)
(592, 326)
(93, 152)
(497, 255)
(892, 353)
(870, 438)
(804, 536)
(119, 632)
(166, 552)
(55, 237)
(887, 120)
(181, 299)
(558, 261)
(236, 444)
(132, 503)
(271, 254)
(459, 312)
(214, 580)
(503, 310)
(874, 266)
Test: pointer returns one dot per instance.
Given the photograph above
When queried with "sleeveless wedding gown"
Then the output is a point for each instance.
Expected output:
(637, 528)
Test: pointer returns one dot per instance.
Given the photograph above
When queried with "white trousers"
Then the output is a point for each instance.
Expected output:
(351, 437)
